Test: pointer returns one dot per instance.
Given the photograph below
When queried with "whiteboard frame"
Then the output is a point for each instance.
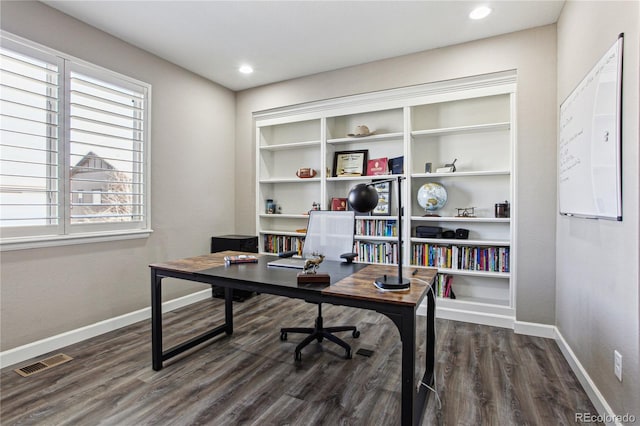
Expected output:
(618, 135)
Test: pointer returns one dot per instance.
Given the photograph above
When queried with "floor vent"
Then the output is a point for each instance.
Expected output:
(42, 365)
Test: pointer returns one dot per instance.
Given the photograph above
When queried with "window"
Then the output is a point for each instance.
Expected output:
(73, 149)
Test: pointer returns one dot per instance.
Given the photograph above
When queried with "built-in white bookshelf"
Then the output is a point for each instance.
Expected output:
(470, 120)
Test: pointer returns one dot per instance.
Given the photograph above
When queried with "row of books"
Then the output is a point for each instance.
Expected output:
(444, 288)
(370, 252)
(470, 258)
(282, 243)
(376, 227)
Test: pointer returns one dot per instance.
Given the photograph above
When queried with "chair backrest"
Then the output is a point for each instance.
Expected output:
(329, 233)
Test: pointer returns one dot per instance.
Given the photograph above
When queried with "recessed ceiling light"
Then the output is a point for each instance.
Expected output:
(245, 69)
(480, 12)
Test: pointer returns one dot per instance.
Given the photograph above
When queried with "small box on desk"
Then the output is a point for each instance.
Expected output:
(246, 243)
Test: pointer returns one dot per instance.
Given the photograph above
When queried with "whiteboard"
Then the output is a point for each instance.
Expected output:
(589, 145)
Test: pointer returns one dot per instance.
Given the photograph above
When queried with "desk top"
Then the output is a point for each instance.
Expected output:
(358, 285)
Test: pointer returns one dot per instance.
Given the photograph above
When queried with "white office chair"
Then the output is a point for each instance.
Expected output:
(329, 233)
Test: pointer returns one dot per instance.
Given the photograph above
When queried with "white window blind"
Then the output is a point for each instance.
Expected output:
(73, 147)
(29, 147)
(106, 151)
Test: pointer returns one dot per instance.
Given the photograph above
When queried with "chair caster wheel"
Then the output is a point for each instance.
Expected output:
(298, 356)
(349, 356)
(283, 336)
(356, 334)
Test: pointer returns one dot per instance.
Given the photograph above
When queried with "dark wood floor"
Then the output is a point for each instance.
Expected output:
(485, 375)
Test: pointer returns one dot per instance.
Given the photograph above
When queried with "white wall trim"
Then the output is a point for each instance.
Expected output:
(535, 329)
(597, 399)
(41, 347)
(491, 319)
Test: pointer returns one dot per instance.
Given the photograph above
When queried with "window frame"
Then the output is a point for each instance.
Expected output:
(64, 232)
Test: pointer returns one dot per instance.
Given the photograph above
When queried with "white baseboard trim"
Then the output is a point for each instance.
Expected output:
(597, 399)
(41, 347)
(535, 329)
(495, 320)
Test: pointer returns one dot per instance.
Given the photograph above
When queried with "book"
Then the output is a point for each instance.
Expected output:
(243, 258)
(378, 166)
(396, 165)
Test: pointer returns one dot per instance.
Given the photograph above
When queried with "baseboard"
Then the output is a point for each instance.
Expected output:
(597, 399)
(494, 320)
(535, 329)
(41, 347)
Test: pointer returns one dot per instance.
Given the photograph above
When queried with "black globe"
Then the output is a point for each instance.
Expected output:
(363, 198)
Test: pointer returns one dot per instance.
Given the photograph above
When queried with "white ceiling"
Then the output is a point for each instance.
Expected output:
(288, 39)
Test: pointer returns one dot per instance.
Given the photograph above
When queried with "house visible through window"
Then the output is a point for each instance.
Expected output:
(74, 144)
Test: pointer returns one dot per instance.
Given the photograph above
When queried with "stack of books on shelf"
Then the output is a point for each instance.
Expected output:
(282, 243)
(469, 258)
(378, 252)
(443, 286)
(377, 227)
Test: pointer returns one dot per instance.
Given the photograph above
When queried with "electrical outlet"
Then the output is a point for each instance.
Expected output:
(617, 365)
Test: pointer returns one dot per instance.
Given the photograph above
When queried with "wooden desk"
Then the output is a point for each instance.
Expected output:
(351, 285)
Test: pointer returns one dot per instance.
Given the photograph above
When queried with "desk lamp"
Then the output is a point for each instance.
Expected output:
(364, 198)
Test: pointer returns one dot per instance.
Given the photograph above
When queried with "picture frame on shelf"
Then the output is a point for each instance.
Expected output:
(350, 163)
(396, 165)
(378, 166)
(338, 204)
(384, 199)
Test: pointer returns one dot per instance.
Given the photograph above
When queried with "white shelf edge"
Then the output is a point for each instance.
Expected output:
(460, 242)
(372, 217)
(372, 138)
(375, 238)
(284, 216)
(486, 274)
(287, 146)
(477, 301)
(463, 174)
(365, 178)
(504, 125)
(285, 233)
(460, 219)
(290, 180)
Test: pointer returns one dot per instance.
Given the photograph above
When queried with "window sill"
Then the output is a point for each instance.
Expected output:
(10, 244)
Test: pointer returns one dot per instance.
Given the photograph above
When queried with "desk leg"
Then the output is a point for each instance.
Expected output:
(407, 334)
(228, 310)
(156, 321)
(431, 338)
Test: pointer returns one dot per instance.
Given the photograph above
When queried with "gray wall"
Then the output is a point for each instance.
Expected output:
(48, 291)
(597, 260)
(533, 54)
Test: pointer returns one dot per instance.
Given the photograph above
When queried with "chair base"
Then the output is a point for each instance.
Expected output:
(319, 332)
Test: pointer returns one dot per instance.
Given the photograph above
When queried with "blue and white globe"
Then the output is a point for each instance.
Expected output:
(432, 196)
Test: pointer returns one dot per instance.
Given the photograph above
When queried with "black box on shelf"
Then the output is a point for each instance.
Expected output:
(429, 231)
(248, 243)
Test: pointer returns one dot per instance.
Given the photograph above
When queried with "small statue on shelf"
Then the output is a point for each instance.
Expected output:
(467, 212)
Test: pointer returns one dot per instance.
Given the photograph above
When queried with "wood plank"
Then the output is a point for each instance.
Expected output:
(360, 285)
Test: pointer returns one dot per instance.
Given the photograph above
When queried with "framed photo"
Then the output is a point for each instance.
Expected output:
(384, 199)
(350, 163)
(338, 204)
(378, 166)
